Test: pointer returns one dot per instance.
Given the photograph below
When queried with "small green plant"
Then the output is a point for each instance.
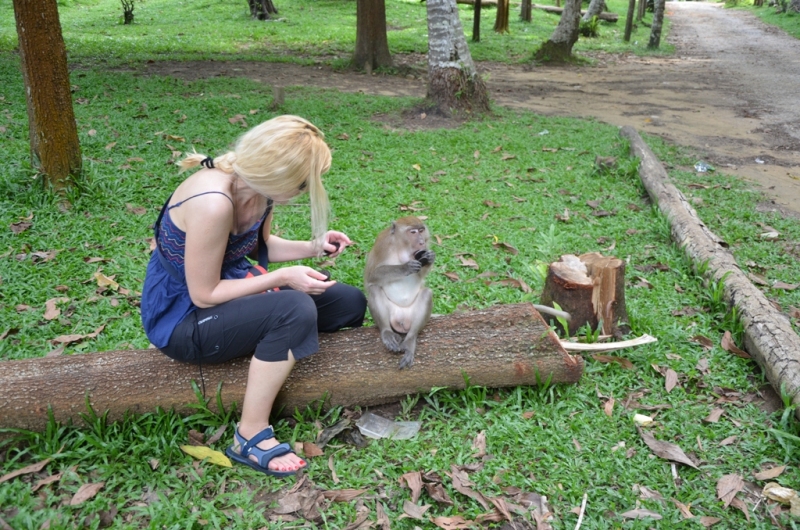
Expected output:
(590, 28)
(589, 336)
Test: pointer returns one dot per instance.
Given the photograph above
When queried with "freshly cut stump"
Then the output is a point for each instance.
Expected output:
(591, 288)
(506, 345)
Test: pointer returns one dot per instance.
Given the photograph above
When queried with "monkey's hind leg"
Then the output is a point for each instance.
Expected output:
(422, 312)
(380, 311)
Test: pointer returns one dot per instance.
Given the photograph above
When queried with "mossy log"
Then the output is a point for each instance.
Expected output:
(502, 346)
(604, 16)
(769, 337)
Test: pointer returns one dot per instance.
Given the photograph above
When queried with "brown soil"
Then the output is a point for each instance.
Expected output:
(729, 92)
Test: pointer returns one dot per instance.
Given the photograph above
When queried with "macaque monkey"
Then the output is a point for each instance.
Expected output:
(394, 279)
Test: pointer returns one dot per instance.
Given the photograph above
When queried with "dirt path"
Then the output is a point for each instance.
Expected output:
(729, 92)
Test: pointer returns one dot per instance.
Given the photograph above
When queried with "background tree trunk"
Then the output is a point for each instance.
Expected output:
(372, 46)
(641, 10)
(526, 11)
(629, 20)
(658, 19)
(453, 81)
(262, 9)
(564, 37)
(794, 6)
(502, 346)
(476, 21)
(501, 20)
(595, 8)
(55, 148)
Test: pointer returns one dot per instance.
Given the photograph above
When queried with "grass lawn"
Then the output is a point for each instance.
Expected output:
(788, 22)
(511, 178)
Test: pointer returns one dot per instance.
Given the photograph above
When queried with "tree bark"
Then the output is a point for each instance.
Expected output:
(642, 8)
(453, 82)
(604, 16)
(262, 9)
(372, 46)
(655, 29)
(526, 12)
(502, 346)
(629, 21)
(559, 48)
(595, 8)
(476, 21)
(769, 337)
(55, 148)
(501, 19)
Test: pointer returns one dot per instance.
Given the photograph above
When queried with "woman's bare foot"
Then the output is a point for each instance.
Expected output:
(287, 462)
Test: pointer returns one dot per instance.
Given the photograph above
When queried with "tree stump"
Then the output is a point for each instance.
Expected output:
(501, 346)
(591, 288)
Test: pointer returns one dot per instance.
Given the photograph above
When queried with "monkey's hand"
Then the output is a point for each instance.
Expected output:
(425, 257)
(391, 340)
(412, 267)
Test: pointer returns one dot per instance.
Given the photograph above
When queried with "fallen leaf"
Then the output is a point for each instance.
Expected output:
(417, 167)
(92, 132)
(492, 204)
(462, 484)
(666, 450)
(728, 345)
(685, 511)
(67, 339)
(382, 519)
(641, 513)
(479, 444)
(51, 311)
(506, 247)
(311, 450)
(452, 276)
(714, 416)
(414, 511)
(741, 506)
(625, 363)
(709, 521)
(785, 286)
(86, 492)
(728, 486)
(136, 210)
(413, 480)
(203, 452)
(19, 227)
(468, 262)
(106, 282)
(670, 380)
(727, 441)
(705, 342)
(438, 493)
(452, 523)
(608, 408)
(769, 473)
(343, 137)
(110, 146)
(45, 481)
(239, 118)
(33, 468)
(345, 495)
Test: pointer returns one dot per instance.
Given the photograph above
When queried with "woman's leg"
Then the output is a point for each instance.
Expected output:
(340, 306)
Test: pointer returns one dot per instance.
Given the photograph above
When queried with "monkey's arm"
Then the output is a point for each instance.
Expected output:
(385, 274)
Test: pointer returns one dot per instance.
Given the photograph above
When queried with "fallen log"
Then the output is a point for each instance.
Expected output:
(502, 346)
(769, 338)
(604, 16)
(484, 3)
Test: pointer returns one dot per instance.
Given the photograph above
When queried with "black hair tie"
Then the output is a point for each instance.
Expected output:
(207, 162)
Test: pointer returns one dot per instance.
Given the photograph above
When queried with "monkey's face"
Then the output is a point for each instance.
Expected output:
(417, 238)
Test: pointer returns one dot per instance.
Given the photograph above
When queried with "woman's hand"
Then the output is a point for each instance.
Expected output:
(304, 279)
(333, 243)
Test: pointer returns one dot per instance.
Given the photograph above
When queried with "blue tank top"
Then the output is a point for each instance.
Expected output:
(165, 295)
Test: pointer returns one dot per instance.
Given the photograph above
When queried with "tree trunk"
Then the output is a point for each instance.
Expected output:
(526, 12)
(629, 20)
(476, 21)
(453, 81)
(794, 6)
(262, 9)
(595, 8)
(591, 288)
(502, 346)
(55, 148)
(604, 16)
(769, 337)
(559, 47)
(501, 20)
(642, 9)
(372, 46)
(655, 29)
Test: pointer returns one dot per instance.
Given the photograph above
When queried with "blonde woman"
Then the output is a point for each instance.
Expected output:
(202, 304)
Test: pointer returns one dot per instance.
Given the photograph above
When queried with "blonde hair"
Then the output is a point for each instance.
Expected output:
(284, 155)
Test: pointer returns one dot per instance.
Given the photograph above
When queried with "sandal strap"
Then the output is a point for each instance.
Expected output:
(250, 444)
(265, 456)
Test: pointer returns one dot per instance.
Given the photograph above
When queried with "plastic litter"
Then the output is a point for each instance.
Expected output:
(701, 167)
(374, 426)
(760, 160)
(544, 132)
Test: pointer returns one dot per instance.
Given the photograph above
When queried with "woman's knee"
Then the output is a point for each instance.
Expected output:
(300, 308)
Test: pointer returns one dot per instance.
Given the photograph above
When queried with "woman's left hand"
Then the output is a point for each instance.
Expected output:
(333, 243)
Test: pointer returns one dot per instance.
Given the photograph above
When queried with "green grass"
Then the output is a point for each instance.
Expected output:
(308, 31)
(373, 175)
(788, 22)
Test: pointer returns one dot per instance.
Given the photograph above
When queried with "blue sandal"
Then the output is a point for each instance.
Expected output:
(248, 447)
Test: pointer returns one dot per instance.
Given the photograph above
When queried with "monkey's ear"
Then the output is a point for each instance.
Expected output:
(394, 227)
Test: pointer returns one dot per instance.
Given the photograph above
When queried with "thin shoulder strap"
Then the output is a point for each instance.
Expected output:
(263, 253)
(199, 194)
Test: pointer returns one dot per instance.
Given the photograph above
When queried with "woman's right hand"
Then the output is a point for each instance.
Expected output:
(305, 279)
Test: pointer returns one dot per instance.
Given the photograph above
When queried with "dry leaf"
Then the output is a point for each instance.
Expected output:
(666, 450)
(728, 345)
(714, 416)
(438, 493)
(769, 473)
(452, 276)
(33, 468)
(625, 363)
(46, 481)
(86, 492)
(608, 408)
(728, 486)
(479, 443)
(685, 511)
(136, 210)
(106, 282)
(785, 286)
(670, 380)
(742, 506)
(346, 495)
(452, 523)
(413, 480)
(52, 312)
(709, 521)
(110, 146)
(506, 247)
(19, 227)
(641, 513)
(382, 519)
(311, 450)
(705, 342)
(461, 484)
(468, 262)
(414, 511)
(727, 441)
